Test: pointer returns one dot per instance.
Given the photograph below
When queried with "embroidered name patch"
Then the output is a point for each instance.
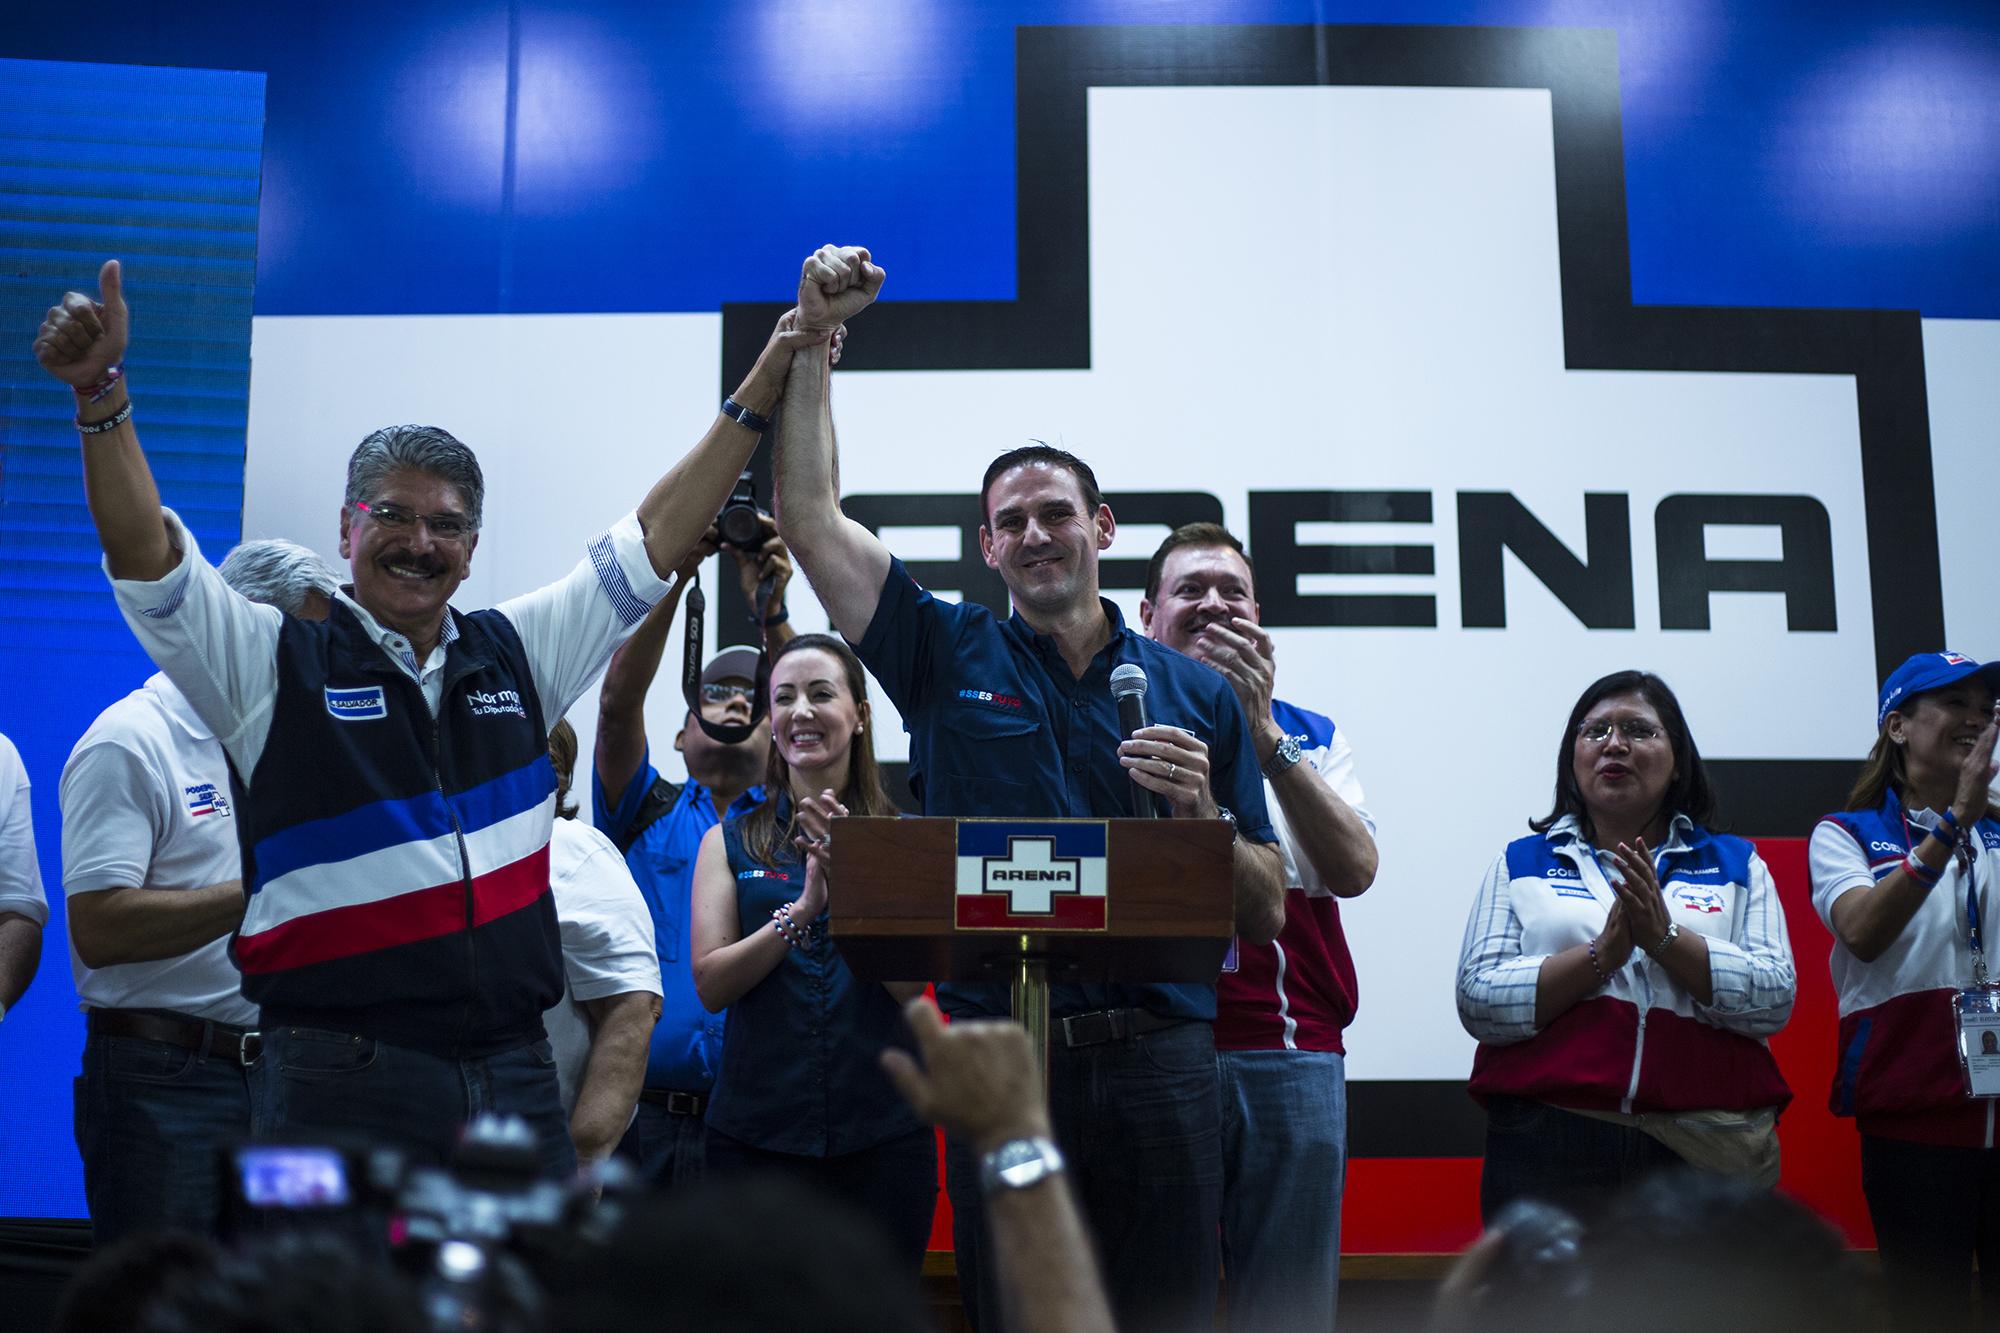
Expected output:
(487, 704)
(204, 798)
(362, 703)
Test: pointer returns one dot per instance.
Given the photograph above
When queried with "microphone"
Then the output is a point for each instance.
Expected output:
(1128, 687)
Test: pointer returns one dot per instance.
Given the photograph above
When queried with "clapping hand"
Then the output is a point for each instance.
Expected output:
(814, 818)
(1637, 886)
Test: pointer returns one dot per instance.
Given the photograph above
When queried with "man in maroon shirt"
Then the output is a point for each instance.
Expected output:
(1280, 1012)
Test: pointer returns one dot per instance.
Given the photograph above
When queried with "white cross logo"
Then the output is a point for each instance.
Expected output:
(1031, 874)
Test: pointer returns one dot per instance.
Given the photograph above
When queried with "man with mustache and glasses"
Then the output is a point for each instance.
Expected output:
(1281, 1010)
(393, 790)
(659, 826)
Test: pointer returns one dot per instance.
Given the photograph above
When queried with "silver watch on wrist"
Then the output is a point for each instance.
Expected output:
(1287, 754)
(1019, 1163)
(1673, 933)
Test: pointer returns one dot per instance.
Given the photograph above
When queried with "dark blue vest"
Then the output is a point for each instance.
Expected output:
(396, 865)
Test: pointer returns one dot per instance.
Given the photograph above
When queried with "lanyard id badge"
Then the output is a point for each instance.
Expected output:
(1977, 1008)
(1978, 1013)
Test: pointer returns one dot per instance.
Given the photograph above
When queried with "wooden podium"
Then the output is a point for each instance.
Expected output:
(1031, 901)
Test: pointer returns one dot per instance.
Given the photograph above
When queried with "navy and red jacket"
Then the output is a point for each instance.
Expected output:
(396, 865)
(1898, 1072)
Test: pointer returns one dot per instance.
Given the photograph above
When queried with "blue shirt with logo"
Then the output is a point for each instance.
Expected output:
(999, 726)
(687, 1041)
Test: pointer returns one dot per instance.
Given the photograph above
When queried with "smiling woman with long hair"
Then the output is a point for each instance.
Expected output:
(1621, 969)
(800, 1091)
(1908, 881)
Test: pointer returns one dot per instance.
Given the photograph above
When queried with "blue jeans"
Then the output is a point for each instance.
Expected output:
(151, 1120)
(1284, 1162)
(314, 1082)
(1538, 1151)
(664, 1148)
(1140, 1122)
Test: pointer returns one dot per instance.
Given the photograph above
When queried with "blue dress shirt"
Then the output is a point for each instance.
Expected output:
(687, 1041)
(999, 726)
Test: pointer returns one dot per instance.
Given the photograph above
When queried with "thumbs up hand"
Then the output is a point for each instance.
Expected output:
(81, 339)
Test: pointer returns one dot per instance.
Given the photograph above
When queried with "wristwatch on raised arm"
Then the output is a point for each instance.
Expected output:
(1282, 758)
(1019, 1163)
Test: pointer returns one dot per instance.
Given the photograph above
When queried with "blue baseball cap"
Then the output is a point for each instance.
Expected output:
(1931, 671)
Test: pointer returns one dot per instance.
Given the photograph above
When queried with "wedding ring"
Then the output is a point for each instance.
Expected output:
(1172, 769)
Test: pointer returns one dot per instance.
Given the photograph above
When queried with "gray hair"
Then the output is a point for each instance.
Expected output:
(278, 573)
(423, 448)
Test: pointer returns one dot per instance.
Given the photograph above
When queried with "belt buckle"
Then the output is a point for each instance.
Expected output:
(1090, 1029)
(683, 1103)
(245, 1042)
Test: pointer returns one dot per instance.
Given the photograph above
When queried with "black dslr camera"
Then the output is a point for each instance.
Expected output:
(476, 1240)
(740, 522)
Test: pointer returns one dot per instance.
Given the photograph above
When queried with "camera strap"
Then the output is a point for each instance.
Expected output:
(725, 732)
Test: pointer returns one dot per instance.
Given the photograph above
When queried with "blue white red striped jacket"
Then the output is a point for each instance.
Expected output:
(396, 866)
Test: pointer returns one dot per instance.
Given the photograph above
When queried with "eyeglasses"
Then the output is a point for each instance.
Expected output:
(444, 527)
(1635, 730)
(719, 693)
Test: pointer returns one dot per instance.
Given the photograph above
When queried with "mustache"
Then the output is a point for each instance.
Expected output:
(428, 564)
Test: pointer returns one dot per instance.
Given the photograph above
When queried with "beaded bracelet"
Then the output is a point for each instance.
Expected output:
(782, 918)
(1595, 966)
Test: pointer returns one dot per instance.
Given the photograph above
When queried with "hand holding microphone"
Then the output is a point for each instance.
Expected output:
(1167, 765)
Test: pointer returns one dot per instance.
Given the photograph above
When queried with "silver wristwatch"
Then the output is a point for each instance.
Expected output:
(1673, 933)
(1019, 1163)
(1282, 758)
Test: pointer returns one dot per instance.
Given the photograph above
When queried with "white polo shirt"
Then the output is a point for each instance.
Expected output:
(20, 871)
(607, 940)
(145, 803)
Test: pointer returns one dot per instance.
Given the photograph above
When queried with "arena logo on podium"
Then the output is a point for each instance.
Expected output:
(1041, 875)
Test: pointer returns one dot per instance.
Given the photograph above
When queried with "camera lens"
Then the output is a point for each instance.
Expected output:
(738, 525)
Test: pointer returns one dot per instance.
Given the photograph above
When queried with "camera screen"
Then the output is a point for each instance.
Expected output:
(292, 1177)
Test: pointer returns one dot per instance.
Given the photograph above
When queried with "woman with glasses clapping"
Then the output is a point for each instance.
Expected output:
(1621, 969)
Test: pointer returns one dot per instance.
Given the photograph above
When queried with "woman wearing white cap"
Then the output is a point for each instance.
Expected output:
(1904, 877)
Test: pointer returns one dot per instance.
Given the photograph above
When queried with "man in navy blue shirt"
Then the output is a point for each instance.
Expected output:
(661, 833)
(1015, 717)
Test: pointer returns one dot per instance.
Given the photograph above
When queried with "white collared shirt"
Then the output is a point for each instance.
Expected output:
(146, 805)
(20, 872)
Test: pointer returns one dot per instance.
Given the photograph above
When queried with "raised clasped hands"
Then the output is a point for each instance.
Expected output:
(836, 283)
(1173, 763)
(81, 339)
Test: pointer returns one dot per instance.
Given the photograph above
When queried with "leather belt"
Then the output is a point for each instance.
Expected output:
(240, 1046)
(675, 1103)
(1102, 1025)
